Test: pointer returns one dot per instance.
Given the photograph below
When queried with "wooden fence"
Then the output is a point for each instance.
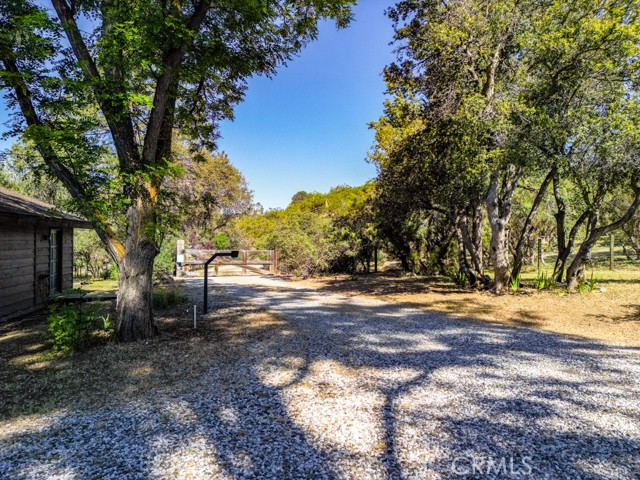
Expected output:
(190, 260)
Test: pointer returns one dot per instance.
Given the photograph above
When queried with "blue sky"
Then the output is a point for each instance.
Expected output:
(306, 128)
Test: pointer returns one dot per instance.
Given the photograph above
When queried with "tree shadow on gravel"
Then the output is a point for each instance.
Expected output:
(293, 384)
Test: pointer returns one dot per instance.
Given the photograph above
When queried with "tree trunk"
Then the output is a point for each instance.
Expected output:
(594, 233)
(565, 244)
(518, 256)
(575, 272)
(471, 241)
(463, 265)
(499, 199)
(135, 269)
(135, 287)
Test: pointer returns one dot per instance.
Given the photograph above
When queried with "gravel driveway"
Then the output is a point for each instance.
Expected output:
(325, 386)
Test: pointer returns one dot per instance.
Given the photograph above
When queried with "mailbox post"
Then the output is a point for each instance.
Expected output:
(232, 254)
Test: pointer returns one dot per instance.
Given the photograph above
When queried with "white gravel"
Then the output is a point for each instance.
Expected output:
(342, 387)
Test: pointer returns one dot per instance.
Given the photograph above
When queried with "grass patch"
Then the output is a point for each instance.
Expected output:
(98, 286)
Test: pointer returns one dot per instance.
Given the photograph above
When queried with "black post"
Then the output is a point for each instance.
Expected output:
(206, 287)
(232, 254)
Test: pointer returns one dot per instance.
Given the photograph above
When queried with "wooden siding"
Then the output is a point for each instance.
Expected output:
(24, 265)
(17, 261)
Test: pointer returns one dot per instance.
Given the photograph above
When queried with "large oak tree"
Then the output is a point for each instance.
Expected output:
(100, 86)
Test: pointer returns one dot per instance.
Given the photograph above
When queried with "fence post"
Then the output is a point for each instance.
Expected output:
(179, 258)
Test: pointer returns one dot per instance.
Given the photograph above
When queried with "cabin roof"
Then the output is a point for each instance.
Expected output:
(16, 204)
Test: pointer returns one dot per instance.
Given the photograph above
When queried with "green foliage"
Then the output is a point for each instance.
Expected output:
(167, 297)
(332, 232)
(514, 284)
(506, 93)
(205, 195)
(305, 242)
(587, 285)
(221, 241)
(165, 262)
(459, 278)
(545, 281)
(74, 326)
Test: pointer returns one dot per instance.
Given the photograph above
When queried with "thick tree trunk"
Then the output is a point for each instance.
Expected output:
(575, 272)
(135, 287)
(499, 199)
(135, 269)
(500, 255)
(470, 240)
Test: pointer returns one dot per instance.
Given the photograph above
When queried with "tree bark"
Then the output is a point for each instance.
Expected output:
(499, 199)
(471, 241)
(135, 275)
(135, 288)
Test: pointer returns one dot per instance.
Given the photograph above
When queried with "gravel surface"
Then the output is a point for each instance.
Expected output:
(328, 386)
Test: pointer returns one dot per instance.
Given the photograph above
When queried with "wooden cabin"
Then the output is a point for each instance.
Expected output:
(36, 252)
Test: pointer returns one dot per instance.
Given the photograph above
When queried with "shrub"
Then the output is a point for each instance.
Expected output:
(73, 327)
(165, 262)
(163, 298)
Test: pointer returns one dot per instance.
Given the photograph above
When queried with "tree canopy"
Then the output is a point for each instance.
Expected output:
(102, 85)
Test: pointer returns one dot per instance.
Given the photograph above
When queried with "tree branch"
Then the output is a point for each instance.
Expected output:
(112, 103)
(167, 84)
(57, 168)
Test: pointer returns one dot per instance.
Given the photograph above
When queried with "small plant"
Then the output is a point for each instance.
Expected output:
(551, 283)
(545, 282)
(587, 285)
(515, 284)
(71, 326)
(107, 326)
(167, 298)
(459, 278)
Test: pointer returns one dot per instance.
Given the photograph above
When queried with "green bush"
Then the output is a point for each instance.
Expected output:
(73, 327)
(165, 262)
(167, 298)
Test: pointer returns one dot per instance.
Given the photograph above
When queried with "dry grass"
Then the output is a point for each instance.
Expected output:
(611, 313)
(35, 380)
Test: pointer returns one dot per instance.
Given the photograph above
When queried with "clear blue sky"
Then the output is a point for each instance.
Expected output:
(306, 128)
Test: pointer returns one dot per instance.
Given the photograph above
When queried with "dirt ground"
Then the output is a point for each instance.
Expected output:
(611, 313)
